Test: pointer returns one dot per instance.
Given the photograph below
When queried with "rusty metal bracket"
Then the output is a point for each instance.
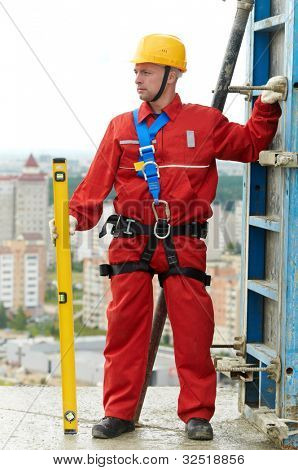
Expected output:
(242, 90)
(278, 158)
(267, 421)
(240, 345)
(274, 369)
(247, 89)
(236, 368)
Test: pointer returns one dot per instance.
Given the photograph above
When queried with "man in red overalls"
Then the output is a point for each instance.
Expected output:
(164, 191)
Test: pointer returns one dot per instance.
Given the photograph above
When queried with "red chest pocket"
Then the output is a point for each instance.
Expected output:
(130, 152)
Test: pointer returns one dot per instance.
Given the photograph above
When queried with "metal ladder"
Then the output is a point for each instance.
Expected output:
(269, 294)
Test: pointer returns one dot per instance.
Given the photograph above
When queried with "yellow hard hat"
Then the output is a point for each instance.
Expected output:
(161, 49)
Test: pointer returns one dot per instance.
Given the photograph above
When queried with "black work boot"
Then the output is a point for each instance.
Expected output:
(111, 427)
(199, 429)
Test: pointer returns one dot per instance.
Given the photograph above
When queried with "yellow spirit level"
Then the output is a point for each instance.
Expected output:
(65, 306)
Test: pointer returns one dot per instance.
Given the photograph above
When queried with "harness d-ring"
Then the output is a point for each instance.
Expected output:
(149, 163)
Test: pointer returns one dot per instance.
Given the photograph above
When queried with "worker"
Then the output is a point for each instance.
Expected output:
(161, 159)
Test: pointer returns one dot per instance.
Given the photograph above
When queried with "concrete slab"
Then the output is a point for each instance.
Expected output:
(30, 418)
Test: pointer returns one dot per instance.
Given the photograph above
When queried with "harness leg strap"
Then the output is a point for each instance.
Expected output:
(170, 251)
(149, 249)
(186, 271)
(122, 268)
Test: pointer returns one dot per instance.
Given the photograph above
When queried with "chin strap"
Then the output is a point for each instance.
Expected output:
(164, 82)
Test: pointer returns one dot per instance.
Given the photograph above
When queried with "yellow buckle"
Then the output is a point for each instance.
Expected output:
(138, 166)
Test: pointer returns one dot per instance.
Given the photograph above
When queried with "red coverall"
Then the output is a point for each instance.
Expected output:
(188, 180)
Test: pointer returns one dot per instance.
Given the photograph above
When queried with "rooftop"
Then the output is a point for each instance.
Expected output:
(31, 161)
(30, 418)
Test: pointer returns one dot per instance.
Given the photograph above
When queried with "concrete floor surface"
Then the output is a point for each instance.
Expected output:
(30, 418)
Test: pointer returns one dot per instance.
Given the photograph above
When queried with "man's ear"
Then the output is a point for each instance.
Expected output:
(172, 77)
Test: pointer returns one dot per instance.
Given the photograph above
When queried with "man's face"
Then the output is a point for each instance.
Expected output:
(148, 80)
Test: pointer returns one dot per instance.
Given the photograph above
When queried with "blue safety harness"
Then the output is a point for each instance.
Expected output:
(125, 227)
(146, 134)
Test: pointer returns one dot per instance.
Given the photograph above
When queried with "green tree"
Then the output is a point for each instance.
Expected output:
(76, 265)
(229, 188)
(230, 247)
(3, 316)
(19, 321)
(237, 250)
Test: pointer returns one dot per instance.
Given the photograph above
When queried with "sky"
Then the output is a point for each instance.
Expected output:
(65, 69)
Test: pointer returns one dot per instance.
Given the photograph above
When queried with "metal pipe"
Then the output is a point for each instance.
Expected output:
(157, 329)
(243, 368)
(236, 89)
(221, 90)
(281, 87)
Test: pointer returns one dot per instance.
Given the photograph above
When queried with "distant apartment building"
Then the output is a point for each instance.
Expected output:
(7, 204)
(87, 247)
(233, 222)
(225, 294)
(238, 221)
(23, 273)
(97, 294)
(215, 240)
(31, 214)
(86, 244)
(24, 202)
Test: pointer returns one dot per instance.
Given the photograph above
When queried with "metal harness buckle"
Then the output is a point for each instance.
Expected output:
(147, 149)
(126, 231)
(115, 232)
(160, 223)
(149, 163)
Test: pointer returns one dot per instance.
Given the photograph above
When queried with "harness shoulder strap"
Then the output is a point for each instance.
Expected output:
(147, 134)
(149, 170)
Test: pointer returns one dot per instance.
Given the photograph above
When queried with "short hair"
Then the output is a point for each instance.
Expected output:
(177, 72)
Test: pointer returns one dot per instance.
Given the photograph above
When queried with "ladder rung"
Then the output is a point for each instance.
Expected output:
(270, 24)
(266, 288)
(263, 221)
(261, 352)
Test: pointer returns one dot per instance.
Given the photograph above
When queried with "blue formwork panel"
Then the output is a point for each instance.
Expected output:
(252, 388)
(262, 9)
(257, 201)
(281, 395)
(255, 323)
(267, 390)
(261, 53)
(256, 261)
(257, 236)
(289, 325)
